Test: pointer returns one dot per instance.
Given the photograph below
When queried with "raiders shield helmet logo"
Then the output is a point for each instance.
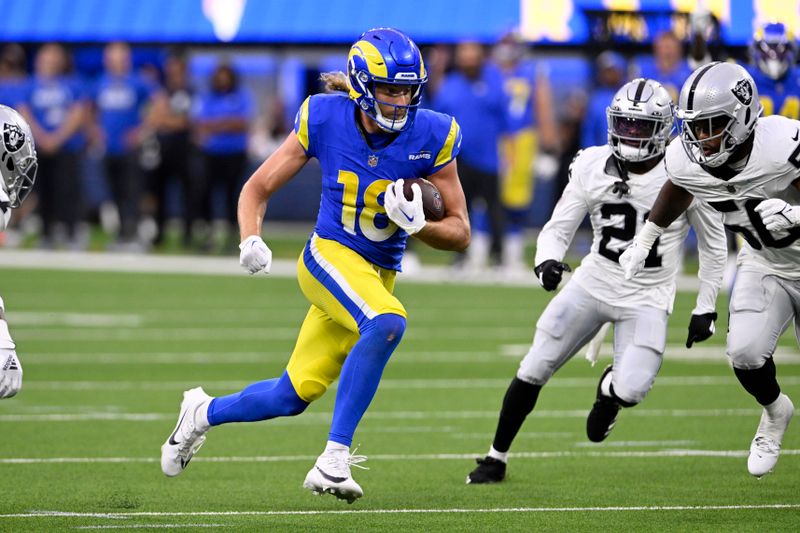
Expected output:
(13, 137)
(743, 91)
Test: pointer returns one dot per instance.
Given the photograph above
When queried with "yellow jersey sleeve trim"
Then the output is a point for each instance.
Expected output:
(446, 153)
(302, 128)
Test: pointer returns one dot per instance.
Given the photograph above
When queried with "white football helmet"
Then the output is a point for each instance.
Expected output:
(718, 101)
(17, 156)
(639, 120)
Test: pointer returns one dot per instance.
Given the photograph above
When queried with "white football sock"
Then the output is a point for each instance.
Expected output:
(773, 409)
(201, 417)
(336, 447)
(605, 385)
(500, 456)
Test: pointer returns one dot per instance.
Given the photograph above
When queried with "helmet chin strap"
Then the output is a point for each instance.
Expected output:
(389, 126)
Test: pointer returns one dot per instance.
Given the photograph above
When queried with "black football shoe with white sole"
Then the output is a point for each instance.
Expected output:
(603, 415)
(489, 470)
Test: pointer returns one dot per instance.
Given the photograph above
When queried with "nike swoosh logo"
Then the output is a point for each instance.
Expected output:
(172, 441)
(796, 135)
(410, 219)
(332, 479)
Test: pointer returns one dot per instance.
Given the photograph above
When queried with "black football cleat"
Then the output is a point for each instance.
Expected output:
(489, 470)
(603, 415)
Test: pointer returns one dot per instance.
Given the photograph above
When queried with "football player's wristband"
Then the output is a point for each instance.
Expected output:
(650, 232)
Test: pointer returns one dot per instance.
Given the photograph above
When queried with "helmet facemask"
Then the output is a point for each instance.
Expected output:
(635, 138)
(700, 136)
(639, 120)
(398, 119)
(19, 180)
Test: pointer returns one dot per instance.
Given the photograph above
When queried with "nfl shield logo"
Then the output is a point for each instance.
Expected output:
(13, 138)
(372, 160)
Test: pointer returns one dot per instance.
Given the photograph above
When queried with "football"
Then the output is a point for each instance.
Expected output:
(432, 203)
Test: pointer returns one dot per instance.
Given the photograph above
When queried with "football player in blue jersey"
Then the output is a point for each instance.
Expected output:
(367, 141)
(774, 55)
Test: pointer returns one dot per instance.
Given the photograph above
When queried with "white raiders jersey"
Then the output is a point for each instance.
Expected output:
(595, 180)
(773, 166)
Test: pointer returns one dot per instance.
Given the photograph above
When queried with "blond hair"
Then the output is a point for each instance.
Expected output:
(335, 82)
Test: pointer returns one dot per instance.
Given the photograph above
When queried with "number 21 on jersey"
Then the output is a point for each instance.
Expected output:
(371, 208)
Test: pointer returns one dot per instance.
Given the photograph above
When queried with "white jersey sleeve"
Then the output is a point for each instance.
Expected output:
(569, 212)
(770, 172)
(712, 247)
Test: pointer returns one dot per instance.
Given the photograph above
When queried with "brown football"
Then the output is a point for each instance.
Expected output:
(432, 203)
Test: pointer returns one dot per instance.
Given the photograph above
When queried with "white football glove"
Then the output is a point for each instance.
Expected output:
(10, 373)
(632, 260)
(777, 214)
(407, 214)
(255, 255)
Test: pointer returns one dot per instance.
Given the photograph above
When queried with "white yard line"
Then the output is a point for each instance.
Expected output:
(677, 453)
(325, 416)
(189, 525)
(393, 384)
(74, 320)
(640, 508)
(229, 266)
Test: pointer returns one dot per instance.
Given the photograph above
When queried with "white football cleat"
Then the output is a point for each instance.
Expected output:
(189, 433)
(766, 445)
(331, 474)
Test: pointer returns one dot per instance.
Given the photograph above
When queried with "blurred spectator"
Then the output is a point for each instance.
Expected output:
(13, 76)
(704, 42)
(474, 95)
(610, 74)
(774, 54)
(170, 119)
(221, 121)
(55, 108)
(571, 115)
(530, 126)
(438, 59)
(120, 98)
(669, 67)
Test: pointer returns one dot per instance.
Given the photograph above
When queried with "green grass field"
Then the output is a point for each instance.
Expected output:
(107, 356)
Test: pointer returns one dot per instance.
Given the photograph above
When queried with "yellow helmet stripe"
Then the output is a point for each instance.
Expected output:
(422, 72)
(302, 130)
(375, 63)
(446, 153)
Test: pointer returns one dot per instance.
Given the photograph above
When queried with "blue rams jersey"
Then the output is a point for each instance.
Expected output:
(354, 176)
(519, 85)
(779, 97)
(480, 107)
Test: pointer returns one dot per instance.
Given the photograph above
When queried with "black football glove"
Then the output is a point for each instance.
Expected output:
(701, 327)
(549, 273)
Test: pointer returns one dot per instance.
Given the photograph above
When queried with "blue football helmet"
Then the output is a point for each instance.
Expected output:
(386, 56)
(774, 50)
